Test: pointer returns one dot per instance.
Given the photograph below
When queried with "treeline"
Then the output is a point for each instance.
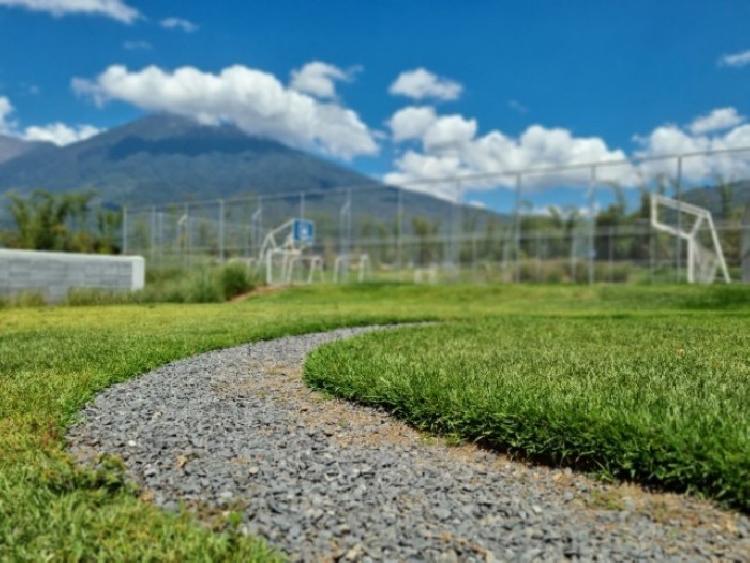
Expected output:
(69, 222)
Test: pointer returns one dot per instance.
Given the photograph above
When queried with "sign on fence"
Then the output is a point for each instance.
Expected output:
(303, 230)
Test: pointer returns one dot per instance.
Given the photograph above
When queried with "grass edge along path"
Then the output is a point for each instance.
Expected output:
(662, 401)
(51, 366)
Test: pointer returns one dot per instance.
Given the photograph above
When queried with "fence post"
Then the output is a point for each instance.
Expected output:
(456, 229)
(399, 212)
(609, 252)
(153, 232)
(474, 255)
(256, 227)
(592, 221)
(517, 228)
(348, 220)
(187, 234)
(221, 230)
(124, 229)
(678, 197)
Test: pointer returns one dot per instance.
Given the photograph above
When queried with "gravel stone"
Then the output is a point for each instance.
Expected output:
(324, 479)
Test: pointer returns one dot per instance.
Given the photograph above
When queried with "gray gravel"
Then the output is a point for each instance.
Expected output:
(323, 479)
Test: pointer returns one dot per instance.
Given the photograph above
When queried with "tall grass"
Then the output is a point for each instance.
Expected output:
(201, 285)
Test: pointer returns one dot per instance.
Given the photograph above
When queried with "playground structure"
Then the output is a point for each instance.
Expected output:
(282, 253)
(344, 263)
(695, 226)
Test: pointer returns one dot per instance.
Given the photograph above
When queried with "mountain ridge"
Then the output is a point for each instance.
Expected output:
(12, 147)
(162, 158)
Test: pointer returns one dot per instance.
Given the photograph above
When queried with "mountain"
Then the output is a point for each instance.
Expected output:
(11, 148)
(163, 158)
(723, 201)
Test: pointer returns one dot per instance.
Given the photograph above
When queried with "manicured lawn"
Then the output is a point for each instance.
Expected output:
(53, 360)
(662, 400)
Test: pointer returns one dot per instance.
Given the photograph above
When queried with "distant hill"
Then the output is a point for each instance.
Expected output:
(732, 202)
(11, 148)
(166, 158)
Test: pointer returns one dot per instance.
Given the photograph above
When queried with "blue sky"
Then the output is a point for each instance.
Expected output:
(599, 70)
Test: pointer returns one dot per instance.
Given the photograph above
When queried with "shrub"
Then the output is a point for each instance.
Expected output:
(233, 280)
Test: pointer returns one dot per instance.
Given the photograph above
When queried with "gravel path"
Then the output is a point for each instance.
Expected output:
(323, 479)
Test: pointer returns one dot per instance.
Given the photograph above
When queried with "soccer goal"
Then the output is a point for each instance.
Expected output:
(694, 225)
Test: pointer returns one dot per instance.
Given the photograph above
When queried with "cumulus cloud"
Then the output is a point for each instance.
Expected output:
(319, 79)
(179, 23)
(439, 134)
(717, 120)
(6, 108)
(113, 9)
(672, 140)
(251, 99)
(60, 133)
(451, 147)
(420, 83)
(450, 155)
(411, 122)
(735, 59)
(449, 133)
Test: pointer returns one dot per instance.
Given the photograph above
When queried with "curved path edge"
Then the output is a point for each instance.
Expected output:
(324, 479)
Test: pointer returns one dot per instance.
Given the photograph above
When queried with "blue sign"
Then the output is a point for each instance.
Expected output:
(303, 230)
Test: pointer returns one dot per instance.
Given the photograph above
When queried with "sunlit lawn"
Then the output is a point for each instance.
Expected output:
(53, 360)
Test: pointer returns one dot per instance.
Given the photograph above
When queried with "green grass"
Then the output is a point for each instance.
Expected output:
(663, 400)
(53, 360)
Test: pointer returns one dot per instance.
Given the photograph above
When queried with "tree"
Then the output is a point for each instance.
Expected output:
(65, 222)
(426, 232)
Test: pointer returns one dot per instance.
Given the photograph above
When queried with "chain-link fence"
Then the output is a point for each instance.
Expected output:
(579, 223)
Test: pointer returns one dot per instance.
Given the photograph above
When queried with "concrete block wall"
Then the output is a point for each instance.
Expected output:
(53, 274)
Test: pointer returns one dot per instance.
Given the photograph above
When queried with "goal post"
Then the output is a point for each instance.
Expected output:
(694, 225)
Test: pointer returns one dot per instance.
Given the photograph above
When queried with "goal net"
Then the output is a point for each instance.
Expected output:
(695, 226)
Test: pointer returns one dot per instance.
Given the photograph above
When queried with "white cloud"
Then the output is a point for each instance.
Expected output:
(439, 134)
(449, 133)
(425, 173)
(735, 59)
(450, 147)
(59, 133)
(319, 79)
(179, 23)
(717, 120)
(6, 108)
(136, 45)
(420, 83)
(672, 140)
(411, 122)
(113, 9)
(251, 99)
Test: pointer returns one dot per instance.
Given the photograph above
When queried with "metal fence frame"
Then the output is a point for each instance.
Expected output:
(298, 204)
